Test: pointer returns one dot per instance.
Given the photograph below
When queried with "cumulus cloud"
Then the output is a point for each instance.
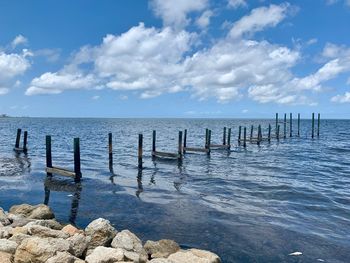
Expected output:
(19, 40)
(259, 19)
(345, 98)
(175, 13)
(237, 3)
(3, 91)
(204, 20)
(12, 64)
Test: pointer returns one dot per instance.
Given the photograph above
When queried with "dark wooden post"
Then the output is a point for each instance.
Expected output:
(278, 133)
(18, 138)
(318, 124)
(25, 140)
(245, 137)
(110, 151)
(185, 141)
(239, 134)
(48, 153)
(77, 169)
(269, 135)
(209, 140)
(251, 132)
(206, 138)
(153, 142)
(276, 121)
(140, 151)
(298, 124)
(224, 137)
(290, 125)
(229, 138)
(180, 144)
(285, 126)
(259, 135)
(313, 125)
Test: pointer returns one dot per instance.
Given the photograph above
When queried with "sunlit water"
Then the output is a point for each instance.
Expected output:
(257, 204)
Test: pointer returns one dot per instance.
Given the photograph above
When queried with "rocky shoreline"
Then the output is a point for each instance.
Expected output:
(30, 234)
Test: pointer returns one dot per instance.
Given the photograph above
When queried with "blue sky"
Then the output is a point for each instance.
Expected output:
(183, 58)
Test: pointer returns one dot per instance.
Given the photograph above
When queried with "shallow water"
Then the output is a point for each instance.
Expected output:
(257, 204)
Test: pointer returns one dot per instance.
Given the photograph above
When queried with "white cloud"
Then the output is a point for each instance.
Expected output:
(345, 98)
(175, 13)
(237, 3)
(259, 19)
(204, 20)
(12, 65)
(4, 91)
(19, 40)
(96, 97)
(312, 41)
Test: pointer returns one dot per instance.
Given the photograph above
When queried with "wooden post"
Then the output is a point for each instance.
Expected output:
(276, 122)
(48, 153)
(209, 140)
(224, 137)
(25, 140)
(18, 138)
(318, 124)
(278, 133)
(313, 125)
(153, 142)
(285, 126)
(77, 160)
(110, 151)
(259, 135)
(180, 145)
(245, 137)
(140, 151)
(251, 132)
(269, 135)
(290, 125)
(298, 124)
(239, 134)
(206, 138)
(229, 138)
(185, 141)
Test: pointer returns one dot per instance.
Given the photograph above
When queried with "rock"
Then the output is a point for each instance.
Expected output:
(18, 238)
(105, 255)
(50, 223)
(5, 232)
(194, 256)
(101, 232)
(32, 212)
(43, 231)
(6, 257)
(128, 241)
(64, 257)
(21, 221)
(160, 260)
(79, 243)
(71, 230)
(19, 230)
(162, 248)
(8, 246)
(4, 220)
(135, 257)
(38, 250)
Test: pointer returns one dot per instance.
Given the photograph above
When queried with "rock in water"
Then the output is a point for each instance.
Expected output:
(33, 212)
(194, 256)
(105, 255)
(162, 248)
(101, 232)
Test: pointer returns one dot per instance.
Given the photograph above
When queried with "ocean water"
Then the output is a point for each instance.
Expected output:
(257, 204)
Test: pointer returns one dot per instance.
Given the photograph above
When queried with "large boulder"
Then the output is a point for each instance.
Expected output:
(194, 256)
(38, 250)
(50, 223)
(101, 232)
(64, 257)
(105, 255)
(71, 230)
(5, 232)
(33, 212)
(4, 220)
(6, 257)
(79, 244)
(160, 260)
(8, 246)
(162, 248)
(18, 238)
(42, 231)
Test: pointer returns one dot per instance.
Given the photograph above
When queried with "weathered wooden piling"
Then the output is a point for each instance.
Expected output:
(313, 125)
(140, 151)
(276, 122)
(180, 144)
(185, 141)
(269, 134)
(259, 139)
(195, 149)
(318, 124)
(77, 166)
(278, 133)
(209, 141)
(153, 142)
(245, 137)
(239, 134)
(229, 138)
(224, 137)
(25, 140)
(110, 151)
(285, 126)
(251, 132)
(291, 125)
(48, 154)
(18, 138)
(298, 124)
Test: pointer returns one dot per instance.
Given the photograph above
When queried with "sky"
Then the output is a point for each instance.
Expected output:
(167, 58)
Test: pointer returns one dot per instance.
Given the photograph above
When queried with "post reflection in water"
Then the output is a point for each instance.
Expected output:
(51, 184)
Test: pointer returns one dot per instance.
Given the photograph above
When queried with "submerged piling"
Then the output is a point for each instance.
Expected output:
(259, 135)
(140, 151)
(25, 140)
(180, 145)
(285, 126)
(153, 142)
(48, 154)
(229, 138)
(245, 137)
(298, 124)
(110, 151)
(251, 132)
(18, 138)
(276, 122)
(278, 133)
(77, 168)
(224, 137)
(185, 141)
(290, 125)
(209, 141)
(239, 134)
(313, 125)
(269, 134)
(318, 124)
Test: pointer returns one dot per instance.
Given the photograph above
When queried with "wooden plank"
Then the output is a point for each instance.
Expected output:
(194, 149)
(166, 154)
(219, 146)
(60, 171)
(18, 149)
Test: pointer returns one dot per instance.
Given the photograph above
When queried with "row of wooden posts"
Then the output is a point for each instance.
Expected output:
(183, 148)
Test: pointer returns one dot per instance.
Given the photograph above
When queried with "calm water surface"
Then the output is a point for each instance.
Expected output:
(253, 205)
